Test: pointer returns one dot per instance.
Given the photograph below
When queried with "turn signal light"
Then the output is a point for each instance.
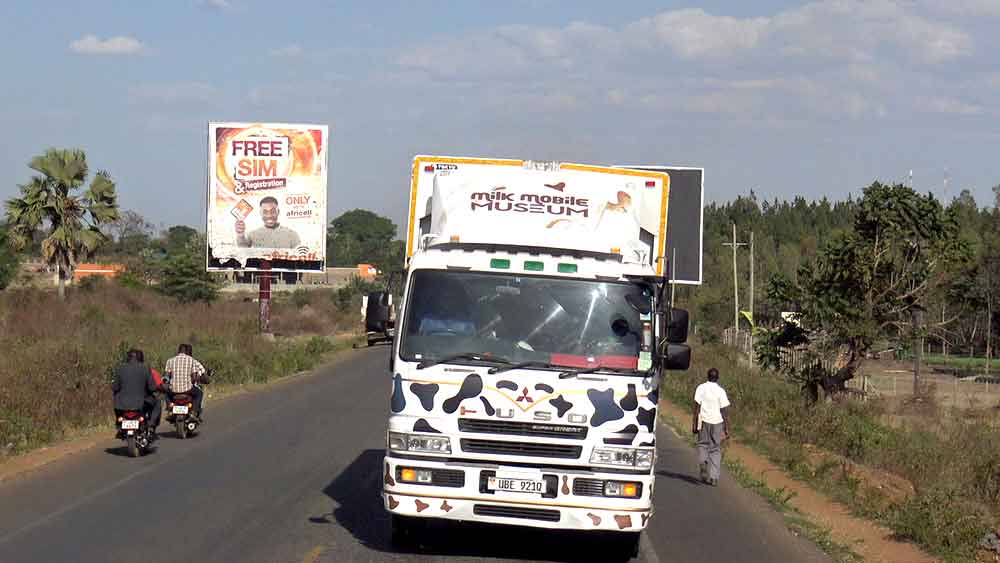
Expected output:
(416, 475)
(616, 250)
(622, 489)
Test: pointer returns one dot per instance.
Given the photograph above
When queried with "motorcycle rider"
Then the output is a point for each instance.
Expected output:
(183, 371)
(133, 386)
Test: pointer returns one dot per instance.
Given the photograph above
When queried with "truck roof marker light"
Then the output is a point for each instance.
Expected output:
(500, 263)
(650, 183)
(565, 268)
(429, 168)
(534, 265)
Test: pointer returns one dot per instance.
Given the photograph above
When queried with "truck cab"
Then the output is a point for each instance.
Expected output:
(530, 347)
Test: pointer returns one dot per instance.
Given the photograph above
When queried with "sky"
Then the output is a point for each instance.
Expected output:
(785, 98)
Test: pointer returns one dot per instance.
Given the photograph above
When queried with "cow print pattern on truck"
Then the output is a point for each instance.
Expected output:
(505, 384)
(425, 392)
(398, 402)
(471, 387)
(630, 401)
(487, 406)
(422, 425)
(647, 418)
(625, 438)
(562, 405)
(605, 409)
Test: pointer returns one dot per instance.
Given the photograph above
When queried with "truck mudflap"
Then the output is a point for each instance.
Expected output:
(465, 498)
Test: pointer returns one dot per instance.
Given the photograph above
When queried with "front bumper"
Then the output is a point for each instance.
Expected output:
(562, 508)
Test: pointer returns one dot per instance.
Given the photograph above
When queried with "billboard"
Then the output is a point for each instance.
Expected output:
(531, 203)
(684, 221)
(267, 196)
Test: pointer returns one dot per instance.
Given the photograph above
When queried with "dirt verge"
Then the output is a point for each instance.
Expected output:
(84, 439)
(870, 540)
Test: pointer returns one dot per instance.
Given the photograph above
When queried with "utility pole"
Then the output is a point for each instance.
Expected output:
(917, 318)
(752, 317)
(736, 284)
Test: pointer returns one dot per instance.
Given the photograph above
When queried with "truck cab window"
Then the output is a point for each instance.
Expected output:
(565, 322)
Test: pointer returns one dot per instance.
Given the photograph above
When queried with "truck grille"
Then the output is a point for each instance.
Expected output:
(539, 429)
(588, 487)
(516, 512)
(498, 447)
(448, 478)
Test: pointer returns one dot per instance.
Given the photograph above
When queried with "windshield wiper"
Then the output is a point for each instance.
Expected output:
(463, 356)
(530, 363)
(581, 371)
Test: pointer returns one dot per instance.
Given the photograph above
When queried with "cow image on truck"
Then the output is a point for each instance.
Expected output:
(533, 332)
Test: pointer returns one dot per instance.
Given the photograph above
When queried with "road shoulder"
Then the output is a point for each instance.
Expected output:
(83, 439)
(873, 542)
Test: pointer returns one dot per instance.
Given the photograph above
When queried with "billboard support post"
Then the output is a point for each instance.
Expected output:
(264, 281)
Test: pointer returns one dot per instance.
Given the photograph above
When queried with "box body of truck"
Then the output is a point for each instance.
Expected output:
(525, 364)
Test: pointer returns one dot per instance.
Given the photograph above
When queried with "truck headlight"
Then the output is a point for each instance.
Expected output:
(403, 442)
(623, 457)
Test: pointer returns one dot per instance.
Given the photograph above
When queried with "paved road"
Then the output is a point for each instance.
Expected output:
(291, 473)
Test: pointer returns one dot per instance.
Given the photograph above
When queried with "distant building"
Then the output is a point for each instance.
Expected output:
(367, 271)
(103, 270)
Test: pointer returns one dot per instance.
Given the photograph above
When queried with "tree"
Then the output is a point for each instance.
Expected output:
(185, 277)
(130, 234)
(864, 285)
(10, 262)
(359, 236)
(72, 222)
(178, 237)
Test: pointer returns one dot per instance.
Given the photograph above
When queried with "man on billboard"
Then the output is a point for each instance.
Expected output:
(272, 234)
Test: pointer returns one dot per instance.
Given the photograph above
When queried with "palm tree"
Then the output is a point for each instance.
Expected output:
(72, 221)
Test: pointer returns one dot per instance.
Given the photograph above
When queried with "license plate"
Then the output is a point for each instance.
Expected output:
(180, 409)
(515, 485)
(130, 425)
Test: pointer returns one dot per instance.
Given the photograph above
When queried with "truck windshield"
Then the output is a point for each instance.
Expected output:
(557, 321)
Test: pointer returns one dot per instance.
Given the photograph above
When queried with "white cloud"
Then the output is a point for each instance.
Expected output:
(949, 106)
(856, 31)
(965, 8)
(172, 93)
(221, 5)
(288, 51)
(120, 45)
(693, 33)
(826, 59)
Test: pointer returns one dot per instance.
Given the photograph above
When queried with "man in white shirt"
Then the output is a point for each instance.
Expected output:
(711, 424)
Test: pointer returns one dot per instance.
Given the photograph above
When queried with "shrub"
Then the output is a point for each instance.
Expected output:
(941, 520)
(953, 463)
(69, 348)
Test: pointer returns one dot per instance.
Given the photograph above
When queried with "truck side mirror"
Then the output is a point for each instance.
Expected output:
(677, 355)
(677, 330)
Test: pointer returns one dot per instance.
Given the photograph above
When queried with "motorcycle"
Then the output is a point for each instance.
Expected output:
(180, 410)
(134, 429)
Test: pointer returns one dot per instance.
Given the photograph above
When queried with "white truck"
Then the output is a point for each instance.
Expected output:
(534, 332)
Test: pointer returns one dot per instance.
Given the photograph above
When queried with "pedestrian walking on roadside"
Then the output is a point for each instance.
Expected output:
(711, 424)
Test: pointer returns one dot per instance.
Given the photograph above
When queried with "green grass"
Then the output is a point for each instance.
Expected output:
(962, 362)
(957, 495)
(59, 356)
